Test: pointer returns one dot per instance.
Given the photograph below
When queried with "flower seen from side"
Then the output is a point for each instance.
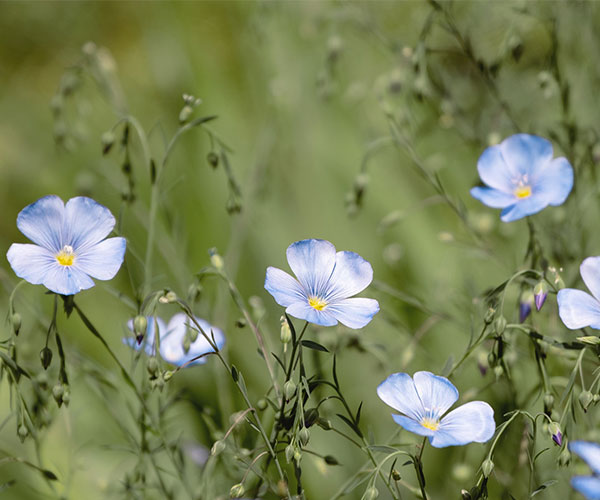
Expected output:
(424, 400)
(578, 309)
(70, 246)
(324, 284)
(180, 340)
(588, 486)
(522, 177)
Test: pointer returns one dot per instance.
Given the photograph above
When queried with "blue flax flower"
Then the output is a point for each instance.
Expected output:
(70, 246)
(325, 281)
(588, 486)
(425, 398)
(522, 177)
(172, 338)
(576, 308)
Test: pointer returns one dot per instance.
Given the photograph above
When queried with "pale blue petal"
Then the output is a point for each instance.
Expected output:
(171, 343)
(312, 262)
(413, 426)
(494, 171)
(471, 422)
(355, 312)
(589, 452)
(523, 208)
(302, 310)
(588, 486)
(437, 394)
(102, 260)
(578, 309)
(554, 182)
(590, 272)
(492, 197)
(67, 280)
(42, 222)
(31, 262)
(351, 275)
(525, 153)
(86, 223)
(399, 392)
(284, 288)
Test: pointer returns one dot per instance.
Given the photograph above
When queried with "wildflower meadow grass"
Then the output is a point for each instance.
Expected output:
(300, 250)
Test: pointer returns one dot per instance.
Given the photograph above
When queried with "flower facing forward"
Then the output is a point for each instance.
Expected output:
(577, 308)
(588, 486)
(70, 246)
(180, 340)
(424, 399)
(325, 281)
(521, 176)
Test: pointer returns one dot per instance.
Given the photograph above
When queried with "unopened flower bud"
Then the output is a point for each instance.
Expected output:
(525, 303)
(46, 357)
(564, 459)
(240, 322)
(540, 292)
(498, 371)
(237, 490)
(108, 139)
(304, 436)
(289, 389)
(396, 475)
(297, 455)
(140, 325)
(487, 467)
(489, 315)
(548, 402)
(23, 432)
(66, 397)
(595, 399)
(500, 325)
(57, 393)
(331, 460)
(585, 399)
(554, 430)
(167, 375)
(152, 366)
(324, 423)
(213, 159)
(217, 447)
(465, 495)
(215, 259)
(262, 404)
(185, 114)
(15, 320)
(168, 298)
(286, 332)
(289, 453)
(371, 493)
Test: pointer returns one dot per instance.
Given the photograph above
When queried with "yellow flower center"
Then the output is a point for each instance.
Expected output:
(522, 192)
(66, 256)
(317, 302)
(430, 423)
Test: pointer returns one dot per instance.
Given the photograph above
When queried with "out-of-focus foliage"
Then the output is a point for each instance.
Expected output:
(359, 123)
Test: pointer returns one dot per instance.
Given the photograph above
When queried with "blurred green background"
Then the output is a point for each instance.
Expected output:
(304, 93)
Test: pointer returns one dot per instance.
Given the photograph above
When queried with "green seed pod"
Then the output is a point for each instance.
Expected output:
(108, 139)
(297, 455)
(498, 371)
(371, 493)
(289, 453)
(396, 475)
(23, 432)
(286, 332)
(564, 459)
(213, 159)
(289, 389)
(237, 490)
(217, 447)
(167, 375)
(140, 325)
(487, 467)
(57, 393)
(489, 315)
(15, 319)
(548, 402)
(262, 404)
(500, 325)
(304, 436)
(168, 298)
(46, 357)
(66, 397)
(585, 399)
(185, 114)
(152, 366)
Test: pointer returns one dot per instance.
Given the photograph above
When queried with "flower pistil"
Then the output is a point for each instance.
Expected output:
(522, 191)
(430, 423)
(66, 256)
(317, 303)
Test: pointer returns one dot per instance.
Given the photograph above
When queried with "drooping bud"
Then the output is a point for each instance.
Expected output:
(564, 459)
(66, 397)
(304, 436)
(554, 430)
(23, 432)
(525, 303)
(396, 475)
(46, 357)
(489, 315)
(286, 332)
(371, 493)
(217, 447)
(487, 467)
(237, 490)
(152, 366)
(498, 371)
(262, 404)
(213, 159)
(548, 403)
(167, 375)
(585, 399)
(168, 298)
(185, 114)
(108, 139)
(57, 393)
(297, 455)
(465, 495)
(241, 322)
(215, 259)
(540, 292)
(500, 325)
(289, 389)
(324, 423)
(331, 460)
(15, 319)
(289, 453)
(140, 325)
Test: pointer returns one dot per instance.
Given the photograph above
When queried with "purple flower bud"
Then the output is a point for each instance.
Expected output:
(555, 432)
(557, 438)
(540, 292)
(525, 303)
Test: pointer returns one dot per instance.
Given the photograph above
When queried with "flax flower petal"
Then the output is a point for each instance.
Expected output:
(399, 392)
(31, 262)
(284, 288)
(42, 222)
(471, 422)
(578, 309)
(437, 394)
(86, 223)
(312, 262)
(355, 312)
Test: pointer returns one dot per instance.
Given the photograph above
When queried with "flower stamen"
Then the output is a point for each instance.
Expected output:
(66, 256)
(430, 423)
(317, 303)
(522, 191)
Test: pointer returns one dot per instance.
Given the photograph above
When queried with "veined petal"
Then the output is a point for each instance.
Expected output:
(302, 310)
(312, 262)
(413, 426)
(554, 181)
(471, 422)
(86, 223)
(437, 394)
(102, 260)
(284, 288)
(494, 171)
(355, 312)
(493, 197)
(30, 262)
(399, 392)
(590, 272)
(588, 486)
(523, 208)
(66, 280)
(351, 275)
(578, 309)
(42, 222)
(589, 452)
(524, 153)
